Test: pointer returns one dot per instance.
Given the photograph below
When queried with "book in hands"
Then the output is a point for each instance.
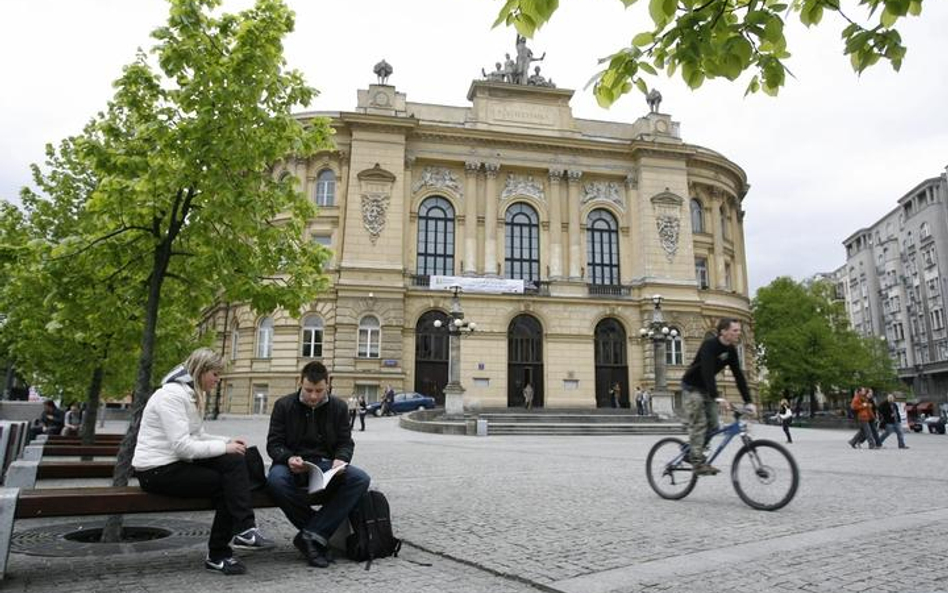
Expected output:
(319, 479)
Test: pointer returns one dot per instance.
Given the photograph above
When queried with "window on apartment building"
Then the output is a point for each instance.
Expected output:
(932, 285)
(522, 243)
(697, 216)
(265, 338)
(673, 349)
(234, 341)
(938, 319)
(311, 340)
(928, 255)
(701, 272)
(326, 188)
(370, 337)
(898, 332)
(602, 248)
(436, 237)
(923, 231)
(903, 359)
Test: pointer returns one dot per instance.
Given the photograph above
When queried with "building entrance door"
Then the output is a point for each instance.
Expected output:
(611, 363)
(431, 356)
(524, 360)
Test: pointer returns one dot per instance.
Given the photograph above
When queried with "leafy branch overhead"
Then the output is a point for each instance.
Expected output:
(705, 39)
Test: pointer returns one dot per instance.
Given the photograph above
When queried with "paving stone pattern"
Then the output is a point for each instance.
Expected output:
(575, 514)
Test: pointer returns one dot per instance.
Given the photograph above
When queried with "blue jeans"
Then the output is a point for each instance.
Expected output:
(897, 429)
(289, 492)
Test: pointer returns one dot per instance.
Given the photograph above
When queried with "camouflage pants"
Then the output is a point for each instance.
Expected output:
(702, 419)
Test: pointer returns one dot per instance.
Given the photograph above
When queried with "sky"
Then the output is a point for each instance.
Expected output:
(830, 155)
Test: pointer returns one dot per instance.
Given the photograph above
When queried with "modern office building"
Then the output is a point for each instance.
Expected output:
(558, 230)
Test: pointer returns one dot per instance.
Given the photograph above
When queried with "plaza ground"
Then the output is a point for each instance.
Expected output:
(575, 514)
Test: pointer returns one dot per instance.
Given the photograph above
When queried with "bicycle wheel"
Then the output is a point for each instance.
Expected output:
(669, 472)
(765, 475)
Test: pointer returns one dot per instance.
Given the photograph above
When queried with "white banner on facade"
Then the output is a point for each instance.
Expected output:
(494, 285)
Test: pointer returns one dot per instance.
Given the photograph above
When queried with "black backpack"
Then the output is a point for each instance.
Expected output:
(371, 535)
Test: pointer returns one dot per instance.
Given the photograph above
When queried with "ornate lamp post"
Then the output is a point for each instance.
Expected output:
(659, 334)
(456, 327)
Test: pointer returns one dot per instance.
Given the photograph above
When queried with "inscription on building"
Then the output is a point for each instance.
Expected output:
(522, 114)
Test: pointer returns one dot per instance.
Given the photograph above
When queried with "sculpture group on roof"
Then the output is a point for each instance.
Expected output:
(517, 71)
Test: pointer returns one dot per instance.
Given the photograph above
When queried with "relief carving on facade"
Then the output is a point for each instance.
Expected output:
(376, 190)
(438, 178)
(522, 185)
(667, 208)
(602, 190)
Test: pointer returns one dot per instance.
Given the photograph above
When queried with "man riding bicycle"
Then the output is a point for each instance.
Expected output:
(700, 390)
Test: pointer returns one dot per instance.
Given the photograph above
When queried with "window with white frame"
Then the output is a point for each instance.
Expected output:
(697, 216)
(673, 349)
(326, 188)
(265, 338)
(924, 232)
(938, 319)
(370, 337)
(312, 337)
(928, 255)
(701, 272)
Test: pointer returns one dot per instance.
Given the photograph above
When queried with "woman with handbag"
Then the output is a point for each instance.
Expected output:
(175, 457)
(786, 417)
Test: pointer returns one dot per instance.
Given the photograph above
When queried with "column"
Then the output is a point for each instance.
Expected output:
(740, 256)
(629, 269)
(409, 236)
(717, 261)
(572, 205)
(490, 220)
(556, 226)
(470, 217)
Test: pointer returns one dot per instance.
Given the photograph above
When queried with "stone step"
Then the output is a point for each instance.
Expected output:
(513, 428)
(570, 418)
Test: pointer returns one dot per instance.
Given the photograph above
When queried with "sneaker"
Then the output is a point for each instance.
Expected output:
(228, 566)
(904, 447)
(252, 539)
(705, 469)
(316, 554)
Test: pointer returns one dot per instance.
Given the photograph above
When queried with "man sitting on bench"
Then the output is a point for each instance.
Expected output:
(309, 425)
(175, 457)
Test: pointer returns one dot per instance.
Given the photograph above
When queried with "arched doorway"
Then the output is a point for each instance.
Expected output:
(611, 363)
(431, 356)
(524, 360)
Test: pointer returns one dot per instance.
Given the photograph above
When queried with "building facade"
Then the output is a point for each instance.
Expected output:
(894, 284)
(559, 229)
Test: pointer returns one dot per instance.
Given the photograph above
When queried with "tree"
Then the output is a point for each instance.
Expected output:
(724, 38)
(806, 343)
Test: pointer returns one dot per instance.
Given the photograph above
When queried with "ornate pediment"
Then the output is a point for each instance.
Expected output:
(522, 185)
(608, 191)
(438, 178)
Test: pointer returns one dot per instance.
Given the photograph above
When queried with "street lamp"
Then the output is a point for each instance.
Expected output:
(456, 327)
(659, 334)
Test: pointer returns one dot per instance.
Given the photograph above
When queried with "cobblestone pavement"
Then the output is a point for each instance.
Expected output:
(575, 514)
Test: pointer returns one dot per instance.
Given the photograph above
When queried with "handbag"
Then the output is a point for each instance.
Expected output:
(255, 468)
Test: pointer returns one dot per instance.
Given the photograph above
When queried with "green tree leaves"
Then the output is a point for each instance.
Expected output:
(726, 38)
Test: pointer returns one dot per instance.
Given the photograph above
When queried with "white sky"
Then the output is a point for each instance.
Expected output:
(828, 156)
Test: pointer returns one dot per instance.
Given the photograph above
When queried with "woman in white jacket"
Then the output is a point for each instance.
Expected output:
(785, 415)
(175, 457)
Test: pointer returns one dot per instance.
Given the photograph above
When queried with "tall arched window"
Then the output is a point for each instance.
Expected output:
(265, 338)
(602, 247)
(725, 232)
(326, 188)
(436, 237)
(697, 216)
(522, 243)
(312, 338)
(234, 341)
(673, 349)
(370, 337)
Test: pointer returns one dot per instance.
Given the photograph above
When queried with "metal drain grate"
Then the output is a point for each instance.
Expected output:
(50, 540)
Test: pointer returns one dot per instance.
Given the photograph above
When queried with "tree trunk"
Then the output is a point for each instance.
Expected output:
(92, 406)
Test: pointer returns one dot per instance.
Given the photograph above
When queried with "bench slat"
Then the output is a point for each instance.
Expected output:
(105, 438)
(58, 470)
(80, 450)
(67, 502)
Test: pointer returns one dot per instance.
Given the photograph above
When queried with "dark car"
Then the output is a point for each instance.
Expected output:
(404, 402)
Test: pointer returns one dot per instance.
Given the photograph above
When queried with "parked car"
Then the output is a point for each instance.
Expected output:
(404, 402)
(917, 412)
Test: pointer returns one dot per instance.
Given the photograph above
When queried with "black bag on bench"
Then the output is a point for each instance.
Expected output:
(371, 535)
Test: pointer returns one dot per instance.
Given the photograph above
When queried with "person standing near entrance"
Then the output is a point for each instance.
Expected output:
(614, 394)
(646, 402)
(528, 396)
(700, 389)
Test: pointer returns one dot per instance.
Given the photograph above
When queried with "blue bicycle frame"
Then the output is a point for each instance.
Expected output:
(731, 430)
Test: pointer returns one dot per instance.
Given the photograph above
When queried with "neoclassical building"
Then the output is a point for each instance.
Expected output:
(560, 230)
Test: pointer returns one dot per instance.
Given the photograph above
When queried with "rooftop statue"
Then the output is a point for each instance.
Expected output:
(654, 99)
(537, 80)
(517, 70)
(383, 70)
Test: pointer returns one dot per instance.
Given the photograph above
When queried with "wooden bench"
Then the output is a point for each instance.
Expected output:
(77, 502)
(24, 473)
(71, 440)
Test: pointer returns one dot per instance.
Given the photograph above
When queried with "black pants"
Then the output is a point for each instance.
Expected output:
(361, 420)
(786, 430)
(223, 479)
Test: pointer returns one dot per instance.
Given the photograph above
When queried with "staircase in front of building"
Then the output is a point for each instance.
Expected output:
(577, 423)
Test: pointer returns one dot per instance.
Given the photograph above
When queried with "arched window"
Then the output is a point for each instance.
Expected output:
(522, 243)
(602, 248)
(436, 237)
(234, 341)
(673, 348)
(725, 232)
(326, 188)
(312, 338)
(265, 338)
(370, 337)
(697, 216)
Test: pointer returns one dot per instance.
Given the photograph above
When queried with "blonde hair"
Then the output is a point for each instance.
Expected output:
(199, 362)
(784, 402)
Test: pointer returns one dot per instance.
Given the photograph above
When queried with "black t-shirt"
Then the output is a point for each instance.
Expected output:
(710, 359)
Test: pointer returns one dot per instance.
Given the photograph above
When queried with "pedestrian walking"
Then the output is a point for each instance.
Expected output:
(528, 396)
(862, 405)
(785, 415)
(891, 421)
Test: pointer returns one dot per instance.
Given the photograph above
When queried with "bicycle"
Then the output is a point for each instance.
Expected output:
(763, 472)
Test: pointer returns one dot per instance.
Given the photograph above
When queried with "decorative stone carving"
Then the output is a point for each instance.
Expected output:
(376, 189)
(492, 169)
(438, 178)
(383, 70)
(472, 167)
(631, 180)
(556, 175)
(522, 185)
(573, 175)
(410, 161)
(602, 190)
(667, 208)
